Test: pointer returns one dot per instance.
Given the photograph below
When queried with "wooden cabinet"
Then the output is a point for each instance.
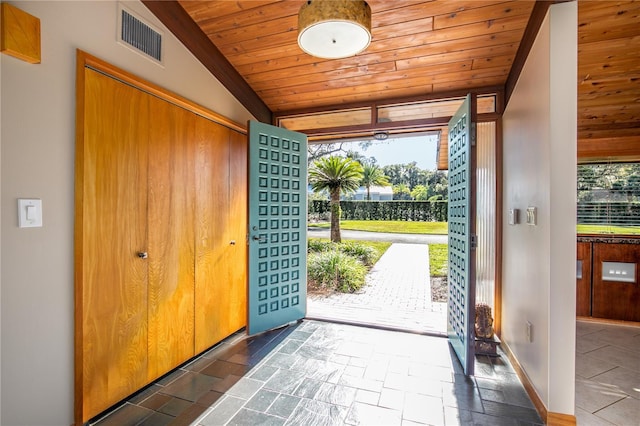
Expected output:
(616, 299)
(160, 238)
(583, 280)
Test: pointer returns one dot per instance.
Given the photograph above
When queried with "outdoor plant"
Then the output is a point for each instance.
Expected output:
(317, 245)
(335, 270)
(372, 175)
(340, 266)
(337, 175)
(364, 254)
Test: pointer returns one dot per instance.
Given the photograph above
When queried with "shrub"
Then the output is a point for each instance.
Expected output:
(367, 255)
(317, 245)
(335, 270)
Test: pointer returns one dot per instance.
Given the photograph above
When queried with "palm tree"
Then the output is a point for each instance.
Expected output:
(337, 175)
(373, 175)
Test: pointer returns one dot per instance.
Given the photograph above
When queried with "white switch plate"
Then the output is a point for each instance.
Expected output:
(514, 216)
(532, 216)
(29, 213)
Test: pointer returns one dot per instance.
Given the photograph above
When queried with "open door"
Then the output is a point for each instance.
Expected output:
(277, 227)
(462, 289)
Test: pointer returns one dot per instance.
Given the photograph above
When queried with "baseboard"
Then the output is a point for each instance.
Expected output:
(609, 321)
(558, 419)
(551, 418)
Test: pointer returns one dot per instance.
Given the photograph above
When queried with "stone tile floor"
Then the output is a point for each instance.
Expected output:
(320, 373)
(607, 374)
(397, 295)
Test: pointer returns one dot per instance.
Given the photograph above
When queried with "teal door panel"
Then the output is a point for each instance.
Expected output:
(277, 227)
(461, 303)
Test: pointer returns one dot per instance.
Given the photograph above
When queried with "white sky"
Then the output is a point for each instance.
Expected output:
(421, 149)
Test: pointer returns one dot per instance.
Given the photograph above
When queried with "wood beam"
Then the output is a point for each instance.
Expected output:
(609, 149)
(178, 21)
(530, 33)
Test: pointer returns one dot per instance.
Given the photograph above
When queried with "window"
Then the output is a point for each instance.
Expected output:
(609, 198)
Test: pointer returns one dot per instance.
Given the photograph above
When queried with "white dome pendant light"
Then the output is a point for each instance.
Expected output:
(333, 29)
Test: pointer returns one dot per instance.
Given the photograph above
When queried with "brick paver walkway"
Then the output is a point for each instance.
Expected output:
(397, 295)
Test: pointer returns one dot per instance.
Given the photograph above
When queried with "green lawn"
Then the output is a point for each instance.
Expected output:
(395, 226)
(606, 229)
(438, 260)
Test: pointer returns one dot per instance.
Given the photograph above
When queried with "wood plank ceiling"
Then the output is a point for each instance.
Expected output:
(420, 50)
(609, 79)
(417, 48)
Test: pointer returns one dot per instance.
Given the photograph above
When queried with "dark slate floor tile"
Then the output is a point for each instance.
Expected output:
(245, 388)
(308, 388)
(223, 385)
(300, 335)
(171, 377)
(325, 371)
(463, 397)
(511, 411)
(262, 400)
(249, 417)
(316, 413)
(223, 411)
(127, 415)
(316, 352)
(480, 419)
(157, 419)
(284, 405)
(198, 364)
(154, 402)
(457, 416)
(336, 394)
(191, 386)
(209, 398)
(285, 381)
(175, 407)
(263, 373)
(188, 416)
(222, 369)
(290, 346)
(282, 360)
(512, 397)
(146, 393)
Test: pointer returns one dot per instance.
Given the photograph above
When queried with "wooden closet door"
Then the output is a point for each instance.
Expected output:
(171, 236)
(212, 213)
(237, 254)
(111, 229)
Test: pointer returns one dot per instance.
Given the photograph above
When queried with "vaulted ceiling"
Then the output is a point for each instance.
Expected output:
(420, 50)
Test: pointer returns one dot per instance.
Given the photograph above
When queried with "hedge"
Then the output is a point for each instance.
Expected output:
(415, 211)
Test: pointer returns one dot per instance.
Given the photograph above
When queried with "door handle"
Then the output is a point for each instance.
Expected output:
(143, 255)
(258, 238)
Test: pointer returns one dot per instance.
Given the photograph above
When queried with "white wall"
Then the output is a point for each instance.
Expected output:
(37, 160)
(540, 170)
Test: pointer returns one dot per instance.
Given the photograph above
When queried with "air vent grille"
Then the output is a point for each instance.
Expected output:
(140, 36)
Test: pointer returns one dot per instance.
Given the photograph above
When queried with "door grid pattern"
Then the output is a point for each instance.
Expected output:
(459, 327)
(278, 229)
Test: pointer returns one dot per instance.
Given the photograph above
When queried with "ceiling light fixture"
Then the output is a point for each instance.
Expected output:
(381, 136)
(334, 29)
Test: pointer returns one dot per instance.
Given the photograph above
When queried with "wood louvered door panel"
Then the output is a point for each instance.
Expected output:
(111, 228)
(171, 194)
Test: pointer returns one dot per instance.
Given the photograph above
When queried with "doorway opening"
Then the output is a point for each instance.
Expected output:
(398, 208)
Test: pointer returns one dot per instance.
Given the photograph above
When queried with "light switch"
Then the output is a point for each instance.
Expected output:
(29, 213)
(514, 216)
(532, 216)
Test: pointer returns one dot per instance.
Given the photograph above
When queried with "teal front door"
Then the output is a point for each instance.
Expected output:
(277, 227)
(462, 289)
